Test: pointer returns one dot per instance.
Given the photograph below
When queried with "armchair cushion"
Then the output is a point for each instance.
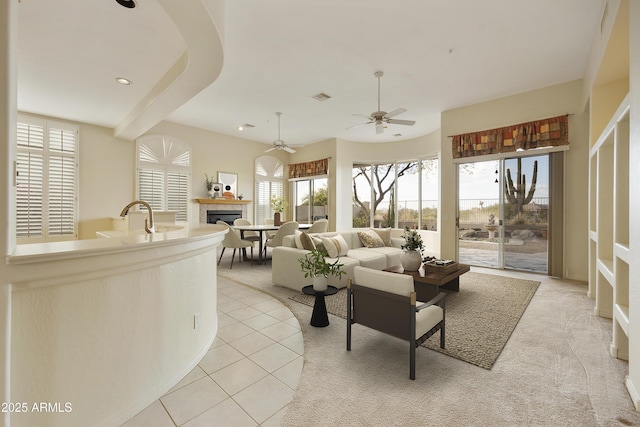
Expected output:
(395, 283)
(427, 318)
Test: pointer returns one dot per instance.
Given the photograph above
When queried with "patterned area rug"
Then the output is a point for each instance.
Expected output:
(480, 318)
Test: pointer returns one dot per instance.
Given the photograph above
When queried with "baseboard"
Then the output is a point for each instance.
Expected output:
(633, 392)
(615, 352)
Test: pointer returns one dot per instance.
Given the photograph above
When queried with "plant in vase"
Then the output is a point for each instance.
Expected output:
(209, 183)
(411, 257)
(278, 205)
(315, 265)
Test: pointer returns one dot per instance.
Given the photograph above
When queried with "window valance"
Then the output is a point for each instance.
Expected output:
(551, 132)
(306, 169)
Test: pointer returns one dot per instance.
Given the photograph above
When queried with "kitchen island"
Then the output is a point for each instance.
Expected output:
(101, 328)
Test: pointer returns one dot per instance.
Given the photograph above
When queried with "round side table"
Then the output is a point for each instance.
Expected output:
(319, 317)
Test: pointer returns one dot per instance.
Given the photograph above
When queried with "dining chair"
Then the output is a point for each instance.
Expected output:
(252, 236)
(269, 233)
(320, 226)
(286, 229)
(232, 240)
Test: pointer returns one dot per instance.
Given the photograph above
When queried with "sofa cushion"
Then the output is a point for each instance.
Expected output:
(368, 258)
(385, 235)
(392, 254)
(304, 241)
(336, 246)
(370, 239)
(307, 242)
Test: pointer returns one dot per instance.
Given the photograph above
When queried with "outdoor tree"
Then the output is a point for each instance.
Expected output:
(319, 197)
(381, 181)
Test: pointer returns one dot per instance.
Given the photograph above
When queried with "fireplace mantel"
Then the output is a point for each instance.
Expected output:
(221, 204)
(223, 201)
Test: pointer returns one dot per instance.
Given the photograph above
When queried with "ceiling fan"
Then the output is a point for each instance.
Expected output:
(382, 118)
(279, 144)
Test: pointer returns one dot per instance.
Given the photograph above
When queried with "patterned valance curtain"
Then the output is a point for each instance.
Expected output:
(314, 168)
(552, 132)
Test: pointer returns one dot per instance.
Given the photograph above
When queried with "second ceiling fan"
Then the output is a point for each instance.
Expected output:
(279, 144)
(382, 118)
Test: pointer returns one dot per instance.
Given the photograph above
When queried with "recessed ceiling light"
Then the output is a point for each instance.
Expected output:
(130, 4)
(245, 126)
(123, 81)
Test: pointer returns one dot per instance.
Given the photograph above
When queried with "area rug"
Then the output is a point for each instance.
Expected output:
(480, 318)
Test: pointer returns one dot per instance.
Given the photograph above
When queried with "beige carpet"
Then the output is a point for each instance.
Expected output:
(480, 318)
(554, 371)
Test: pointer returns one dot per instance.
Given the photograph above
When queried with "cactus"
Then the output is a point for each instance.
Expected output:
(515, 195)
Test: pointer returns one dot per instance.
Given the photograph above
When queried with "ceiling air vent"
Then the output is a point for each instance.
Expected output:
(321, 97)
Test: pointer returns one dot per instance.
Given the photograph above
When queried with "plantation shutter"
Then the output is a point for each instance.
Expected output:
(164, 174)
(47, 181)
(178, 194)
(269, 177)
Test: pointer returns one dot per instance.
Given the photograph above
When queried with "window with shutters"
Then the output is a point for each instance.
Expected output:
(269, 178)
(164, 174)
(47, 180)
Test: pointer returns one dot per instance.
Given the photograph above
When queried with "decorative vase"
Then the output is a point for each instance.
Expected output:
(320, 283)
(411, 260)
(212, 194)
(276, 219)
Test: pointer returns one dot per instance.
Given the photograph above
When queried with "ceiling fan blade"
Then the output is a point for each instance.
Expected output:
(288, 149)
(359, 125)
(363, 116)
(395, 112)
(401, 122)
(270, 149)
(379, 128)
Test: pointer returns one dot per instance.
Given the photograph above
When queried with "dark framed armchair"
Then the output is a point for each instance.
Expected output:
(386, 302)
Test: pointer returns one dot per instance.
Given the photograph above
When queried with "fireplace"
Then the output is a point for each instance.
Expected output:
(227, 216)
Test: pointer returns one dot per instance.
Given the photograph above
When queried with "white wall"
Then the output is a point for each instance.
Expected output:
(538, 104)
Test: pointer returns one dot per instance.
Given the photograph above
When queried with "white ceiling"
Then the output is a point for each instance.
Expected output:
(436, 55)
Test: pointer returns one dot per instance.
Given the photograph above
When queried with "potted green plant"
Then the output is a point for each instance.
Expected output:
(278, 205)
(411, 257)
(315, 265)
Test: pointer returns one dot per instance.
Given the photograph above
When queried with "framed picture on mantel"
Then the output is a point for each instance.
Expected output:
(229, 183)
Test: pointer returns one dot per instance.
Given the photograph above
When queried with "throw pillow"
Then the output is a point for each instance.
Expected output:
(298, 240)
(370, 239)
(385, 235)
(336, 246)
(307, 241)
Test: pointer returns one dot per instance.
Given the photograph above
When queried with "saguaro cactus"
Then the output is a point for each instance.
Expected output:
(515, 195)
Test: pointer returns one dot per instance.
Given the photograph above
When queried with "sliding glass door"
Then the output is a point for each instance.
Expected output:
(503, 213)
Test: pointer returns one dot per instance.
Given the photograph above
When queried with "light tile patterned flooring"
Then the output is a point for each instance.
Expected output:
(248, 376)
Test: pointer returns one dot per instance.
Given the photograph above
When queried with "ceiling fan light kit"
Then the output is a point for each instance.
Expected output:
(381, 118)
(279, 144)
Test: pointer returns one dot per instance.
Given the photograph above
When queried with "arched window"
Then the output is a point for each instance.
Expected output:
(164, 174)
(269, 178)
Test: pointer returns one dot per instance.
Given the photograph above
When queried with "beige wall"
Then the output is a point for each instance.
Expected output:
(546, 102)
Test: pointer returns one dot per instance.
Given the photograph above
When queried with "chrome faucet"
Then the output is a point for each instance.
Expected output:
(148, 226)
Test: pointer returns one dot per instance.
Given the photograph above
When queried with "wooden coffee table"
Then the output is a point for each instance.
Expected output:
(428, 283)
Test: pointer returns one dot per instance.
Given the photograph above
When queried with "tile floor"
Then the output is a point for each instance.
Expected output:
(248, 376)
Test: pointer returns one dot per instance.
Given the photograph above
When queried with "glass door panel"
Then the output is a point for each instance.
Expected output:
(478, 214)
(526, 213)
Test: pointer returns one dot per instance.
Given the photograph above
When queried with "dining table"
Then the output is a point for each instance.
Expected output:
(261, 229)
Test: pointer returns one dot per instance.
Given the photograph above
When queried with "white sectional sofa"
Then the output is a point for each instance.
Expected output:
(286, 267)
